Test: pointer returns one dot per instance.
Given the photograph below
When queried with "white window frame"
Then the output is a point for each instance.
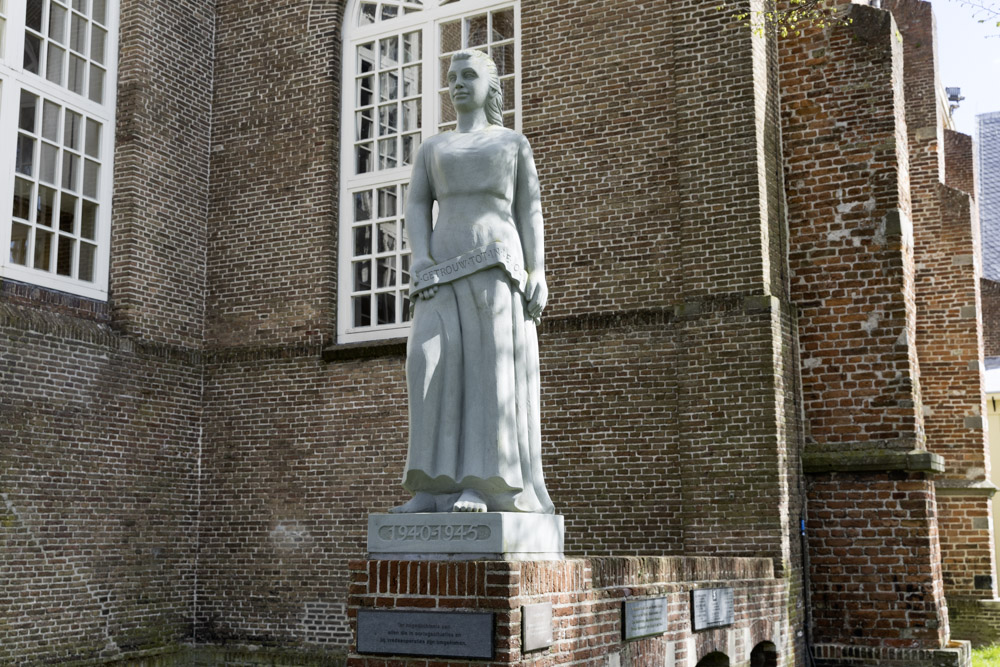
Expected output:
(13, 78)
(428, 21)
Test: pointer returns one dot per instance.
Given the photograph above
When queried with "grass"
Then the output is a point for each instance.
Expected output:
(988, 656)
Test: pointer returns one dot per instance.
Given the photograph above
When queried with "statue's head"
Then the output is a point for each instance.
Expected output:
(485, 64)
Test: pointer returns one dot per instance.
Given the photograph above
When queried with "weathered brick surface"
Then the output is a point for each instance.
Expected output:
(161, 170)
(959, 170)
(586, 597)
(272, 212)
(98, 478)
(851, 260)
(948, 257)
(874, 561)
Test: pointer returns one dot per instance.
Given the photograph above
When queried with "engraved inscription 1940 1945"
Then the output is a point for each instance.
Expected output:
(427, 532)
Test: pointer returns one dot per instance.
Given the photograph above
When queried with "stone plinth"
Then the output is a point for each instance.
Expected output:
(507, 536)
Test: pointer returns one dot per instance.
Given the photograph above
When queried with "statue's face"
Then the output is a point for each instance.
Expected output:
(468, 84)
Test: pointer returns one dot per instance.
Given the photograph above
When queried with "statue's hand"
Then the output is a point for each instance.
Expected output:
(419, 266)
(537, 293)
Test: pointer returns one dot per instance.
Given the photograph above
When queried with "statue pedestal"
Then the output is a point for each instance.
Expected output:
(509, 536)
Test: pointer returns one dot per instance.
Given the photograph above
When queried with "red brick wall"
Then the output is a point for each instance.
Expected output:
(852, 276)
(958, 164)
(586, 597)
(948, 256)
(98, 480)
(100, 402)
(161, 170)
(851, 263)
(874, 564)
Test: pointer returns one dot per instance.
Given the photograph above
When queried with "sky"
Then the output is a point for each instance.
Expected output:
(968, 58)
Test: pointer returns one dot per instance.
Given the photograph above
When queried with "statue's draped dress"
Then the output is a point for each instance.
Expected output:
(472, 356)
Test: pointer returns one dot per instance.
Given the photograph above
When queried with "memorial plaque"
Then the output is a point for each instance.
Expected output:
(642, 618)
(536, 626)
(426, 633)
(711, 608)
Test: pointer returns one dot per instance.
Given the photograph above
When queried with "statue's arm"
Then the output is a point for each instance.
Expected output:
(528, 212)
(419, 204)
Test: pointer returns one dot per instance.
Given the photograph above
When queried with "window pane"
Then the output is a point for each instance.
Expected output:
(22, 199)
(362, 310)
(57, 23)
(46, 206)
(93, 144)
(388, 52)
(362, 276)
(98, 39)
(70, 171)
(71, 130)
(25, 154)
(387, 154)
(503, 56)
(64, 256)
(451, 36)
(26, 117)
(99, 12)
(366, 91)
(362, 205)
(386, 308)
(33, 14)
(411, 81)
(96, 88)
(389, 12)
(387, 272)
(386, 237)
(388, 84)
(362, 240)
(43, 250)
(476, 25)
(368, 13)
(67, 213)
(387, 119)
(88, 254)
(508, 93)
(80, 6)
(410, 144)
(411, 115)
(365, 124)
(91, 171)
(366, 58)
(32, 53)
(88, 220)
(77, 70)
(364, 152)
(411, 47)
(48, 171)
(503, 25)
(78, 34)
(50, 121)
(54, 64)
(387, 202)
(19, 243)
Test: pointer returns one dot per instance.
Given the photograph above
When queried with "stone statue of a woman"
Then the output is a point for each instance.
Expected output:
(478, 284)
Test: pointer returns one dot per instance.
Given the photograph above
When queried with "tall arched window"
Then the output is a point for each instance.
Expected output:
(394, 92)
(57, 110)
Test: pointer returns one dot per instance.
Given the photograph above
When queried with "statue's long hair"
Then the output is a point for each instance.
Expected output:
(494, 101)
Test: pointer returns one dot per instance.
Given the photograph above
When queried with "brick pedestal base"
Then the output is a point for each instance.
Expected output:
(586, 597)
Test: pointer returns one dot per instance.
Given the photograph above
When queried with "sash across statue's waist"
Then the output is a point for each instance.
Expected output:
(483, 257)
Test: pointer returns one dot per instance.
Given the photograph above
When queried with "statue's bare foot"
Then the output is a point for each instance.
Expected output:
(469, 501)
(421, 502)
